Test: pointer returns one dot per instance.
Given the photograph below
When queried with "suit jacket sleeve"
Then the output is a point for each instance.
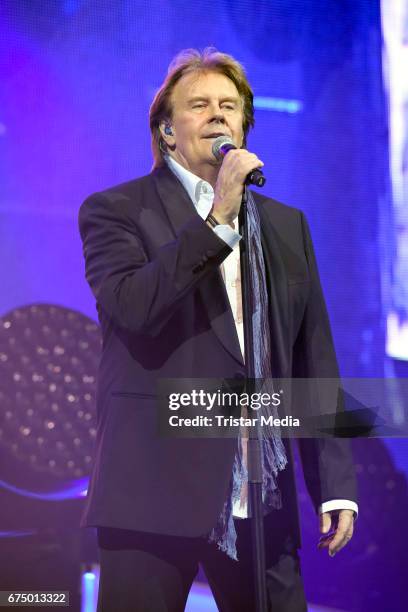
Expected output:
(140, 294)
(327, 462)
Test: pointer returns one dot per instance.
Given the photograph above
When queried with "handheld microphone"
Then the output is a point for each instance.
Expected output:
(220, 148)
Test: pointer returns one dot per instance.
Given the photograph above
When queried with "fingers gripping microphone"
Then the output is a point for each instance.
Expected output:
(220, 148)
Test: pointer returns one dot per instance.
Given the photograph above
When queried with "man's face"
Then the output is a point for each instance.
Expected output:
(205, 105)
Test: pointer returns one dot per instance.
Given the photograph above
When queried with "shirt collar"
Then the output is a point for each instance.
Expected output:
(201, 192)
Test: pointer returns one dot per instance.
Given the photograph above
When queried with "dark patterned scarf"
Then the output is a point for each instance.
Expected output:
(273, 451)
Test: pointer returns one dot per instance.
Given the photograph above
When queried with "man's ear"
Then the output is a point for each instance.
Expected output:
(166, 133)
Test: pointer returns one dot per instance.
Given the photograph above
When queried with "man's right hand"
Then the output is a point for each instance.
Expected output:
(237, 164)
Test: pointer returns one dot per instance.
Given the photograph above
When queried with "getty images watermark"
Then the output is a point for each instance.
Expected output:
(300, 408)
(209, 401)
(221, 408)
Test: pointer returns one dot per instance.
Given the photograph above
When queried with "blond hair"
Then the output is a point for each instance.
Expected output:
(185, 62)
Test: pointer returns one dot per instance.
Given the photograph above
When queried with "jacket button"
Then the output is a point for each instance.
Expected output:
(210, 253)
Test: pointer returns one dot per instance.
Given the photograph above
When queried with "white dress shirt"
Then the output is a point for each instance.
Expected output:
(202, 195)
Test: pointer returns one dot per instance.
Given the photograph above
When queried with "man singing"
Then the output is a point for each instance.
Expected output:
(163, 261)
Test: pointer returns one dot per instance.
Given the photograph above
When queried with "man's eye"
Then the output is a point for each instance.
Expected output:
(228, 106)
(201, 105)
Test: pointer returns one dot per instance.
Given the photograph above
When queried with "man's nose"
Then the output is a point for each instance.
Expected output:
(217, 117)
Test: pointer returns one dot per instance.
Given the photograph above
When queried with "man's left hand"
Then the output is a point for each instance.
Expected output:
(337, 527)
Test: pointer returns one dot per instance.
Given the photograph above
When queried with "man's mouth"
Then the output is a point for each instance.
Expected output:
(215, 135)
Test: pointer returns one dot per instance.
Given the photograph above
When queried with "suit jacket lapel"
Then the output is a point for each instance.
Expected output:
(180, 209)
(215, 297)
(174, 197)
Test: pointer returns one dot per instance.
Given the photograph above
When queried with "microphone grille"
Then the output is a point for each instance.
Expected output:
(219, 142)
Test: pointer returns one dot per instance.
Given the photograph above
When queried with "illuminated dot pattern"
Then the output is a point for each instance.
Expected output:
(48, 363)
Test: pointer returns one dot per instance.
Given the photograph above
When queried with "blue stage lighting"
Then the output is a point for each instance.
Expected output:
(281, 105)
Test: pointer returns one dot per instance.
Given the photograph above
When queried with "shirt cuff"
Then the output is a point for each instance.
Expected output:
(226, 233)
(339, 504)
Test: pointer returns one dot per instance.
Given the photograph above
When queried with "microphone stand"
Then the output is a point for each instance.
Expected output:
(254, 455)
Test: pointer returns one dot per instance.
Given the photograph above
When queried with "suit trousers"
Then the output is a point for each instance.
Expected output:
(144, 572)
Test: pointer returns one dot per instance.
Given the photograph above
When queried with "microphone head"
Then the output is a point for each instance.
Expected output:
(221, 146)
